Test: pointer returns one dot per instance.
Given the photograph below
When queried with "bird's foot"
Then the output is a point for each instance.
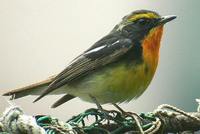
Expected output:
(132, 115)
(105, 114)
(127, 114)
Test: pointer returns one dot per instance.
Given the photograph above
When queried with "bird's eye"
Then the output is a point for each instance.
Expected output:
(142, 22)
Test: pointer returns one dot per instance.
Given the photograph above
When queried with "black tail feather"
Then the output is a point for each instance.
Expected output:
(62, 100)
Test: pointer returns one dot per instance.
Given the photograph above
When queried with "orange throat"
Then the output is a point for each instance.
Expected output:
(151, 46)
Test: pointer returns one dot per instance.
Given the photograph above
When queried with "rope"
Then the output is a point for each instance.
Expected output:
(14, 121)
(161, 109)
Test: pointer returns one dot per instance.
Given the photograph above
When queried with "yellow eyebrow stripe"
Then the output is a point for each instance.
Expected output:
(146, 15)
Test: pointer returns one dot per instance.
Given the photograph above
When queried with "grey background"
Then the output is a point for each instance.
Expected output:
(39, 38)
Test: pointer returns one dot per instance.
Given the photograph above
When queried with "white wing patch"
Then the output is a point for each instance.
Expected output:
(115, 43)
(95, 49)
(101, 47)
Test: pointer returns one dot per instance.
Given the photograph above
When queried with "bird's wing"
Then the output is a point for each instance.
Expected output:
(100, 54)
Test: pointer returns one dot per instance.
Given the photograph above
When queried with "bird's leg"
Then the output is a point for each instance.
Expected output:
(124, 112)
(135, 116)
(105, 112)
(119, 108)
(97, 103)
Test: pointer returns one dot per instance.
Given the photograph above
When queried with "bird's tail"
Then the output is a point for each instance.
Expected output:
(33, 89)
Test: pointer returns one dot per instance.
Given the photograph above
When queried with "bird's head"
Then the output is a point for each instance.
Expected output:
(140, 23)
(145, 29)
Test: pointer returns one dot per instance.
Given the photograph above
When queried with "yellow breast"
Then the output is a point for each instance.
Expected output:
(128, 82)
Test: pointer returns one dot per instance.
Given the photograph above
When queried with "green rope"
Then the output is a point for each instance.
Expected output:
(121, 123)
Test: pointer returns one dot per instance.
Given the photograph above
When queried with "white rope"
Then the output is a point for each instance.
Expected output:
(161, 109)
(14, 121)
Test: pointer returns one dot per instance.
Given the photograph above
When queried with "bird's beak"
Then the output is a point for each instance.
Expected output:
(163, 20)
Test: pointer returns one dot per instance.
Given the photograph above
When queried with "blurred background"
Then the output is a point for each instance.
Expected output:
(39, 38)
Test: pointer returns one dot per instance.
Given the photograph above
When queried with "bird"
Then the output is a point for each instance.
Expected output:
(117, 68)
